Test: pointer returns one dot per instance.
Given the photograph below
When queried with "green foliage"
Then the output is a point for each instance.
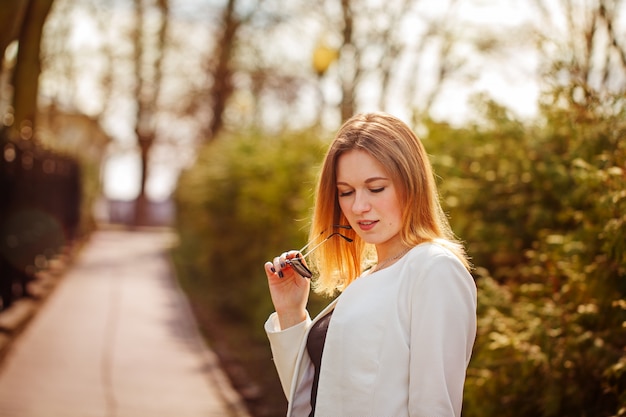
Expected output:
(246, 200)
(543, 210)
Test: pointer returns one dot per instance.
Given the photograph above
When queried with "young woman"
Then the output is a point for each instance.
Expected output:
(398, 338)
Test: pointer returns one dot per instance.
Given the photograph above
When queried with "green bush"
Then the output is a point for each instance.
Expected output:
(543, 210)
(246, 199)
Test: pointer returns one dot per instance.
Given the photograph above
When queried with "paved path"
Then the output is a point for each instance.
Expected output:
(115, 339)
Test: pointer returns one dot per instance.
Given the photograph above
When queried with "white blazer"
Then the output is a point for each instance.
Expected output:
(398, 343)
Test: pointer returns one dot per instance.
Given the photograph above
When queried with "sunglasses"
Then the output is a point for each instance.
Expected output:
(297, 264)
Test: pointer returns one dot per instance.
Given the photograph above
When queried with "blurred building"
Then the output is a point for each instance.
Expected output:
(72, 132)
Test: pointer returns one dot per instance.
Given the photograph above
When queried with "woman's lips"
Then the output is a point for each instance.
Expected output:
(366, 225)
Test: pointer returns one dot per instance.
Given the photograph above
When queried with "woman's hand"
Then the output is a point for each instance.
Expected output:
(288, 289)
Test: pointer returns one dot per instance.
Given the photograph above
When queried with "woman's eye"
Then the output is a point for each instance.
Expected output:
(344, 193)
(377, 190)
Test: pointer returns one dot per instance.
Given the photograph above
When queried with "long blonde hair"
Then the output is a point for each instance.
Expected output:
(394, 145)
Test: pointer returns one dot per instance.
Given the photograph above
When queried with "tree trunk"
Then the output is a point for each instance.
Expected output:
(142, 215)
(222, 73)
(348, 82)
(147, 92)
(11, 16)
(28, 66)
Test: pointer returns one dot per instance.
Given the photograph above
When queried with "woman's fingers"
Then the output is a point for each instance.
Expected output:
(279, 264)
(269, 268)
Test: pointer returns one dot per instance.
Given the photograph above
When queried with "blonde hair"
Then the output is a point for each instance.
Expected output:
(394, 145)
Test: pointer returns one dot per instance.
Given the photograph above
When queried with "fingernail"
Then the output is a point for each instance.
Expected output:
(280, 274)
(273, 269)
(282, 264)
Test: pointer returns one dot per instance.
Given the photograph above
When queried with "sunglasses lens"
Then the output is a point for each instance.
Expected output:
(299, 267)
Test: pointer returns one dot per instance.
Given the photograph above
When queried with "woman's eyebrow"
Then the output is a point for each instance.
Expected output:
(367, 181)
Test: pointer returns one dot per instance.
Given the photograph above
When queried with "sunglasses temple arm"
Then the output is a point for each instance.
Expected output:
(302, 249)
(316, 246)
(340, 226)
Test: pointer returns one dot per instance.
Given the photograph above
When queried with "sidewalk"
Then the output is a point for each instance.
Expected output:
(116, 339)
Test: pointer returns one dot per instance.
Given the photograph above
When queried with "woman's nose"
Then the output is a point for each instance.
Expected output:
(360, 203)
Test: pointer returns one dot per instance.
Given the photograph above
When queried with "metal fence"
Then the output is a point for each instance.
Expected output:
(40, 199)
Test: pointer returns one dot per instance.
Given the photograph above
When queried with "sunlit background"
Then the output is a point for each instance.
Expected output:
(210, 118)
(414, 59)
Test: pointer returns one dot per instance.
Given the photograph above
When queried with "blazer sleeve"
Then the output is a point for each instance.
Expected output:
(442, 333)
(286, 345)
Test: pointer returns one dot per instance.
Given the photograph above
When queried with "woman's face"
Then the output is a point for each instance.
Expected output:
(369, 200)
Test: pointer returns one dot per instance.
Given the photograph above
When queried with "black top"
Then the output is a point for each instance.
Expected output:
(315, 348)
